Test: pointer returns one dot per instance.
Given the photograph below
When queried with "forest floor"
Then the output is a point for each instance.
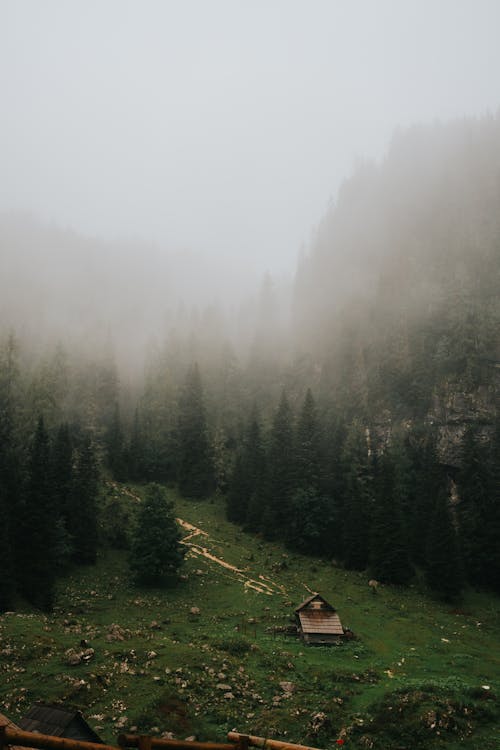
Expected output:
(211, 654)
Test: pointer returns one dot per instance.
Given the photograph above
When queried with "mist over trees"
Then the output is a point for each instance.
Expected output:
(359, 422)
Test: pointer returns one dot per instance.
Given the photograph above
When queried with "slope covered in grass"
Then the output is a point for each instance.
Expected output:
(419, 673)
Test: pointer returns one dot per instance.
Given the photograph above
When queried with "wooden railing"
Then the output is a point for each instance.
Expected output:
(12, 736)
(264, 743)
(150, 743)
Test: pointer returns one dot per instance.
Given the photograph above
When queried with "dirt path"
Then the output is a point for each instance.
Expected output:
(262, 584)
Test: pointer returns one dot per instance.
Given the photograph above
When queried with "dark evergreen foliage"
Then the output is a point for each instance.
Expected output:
(115, 446)
(281, 475)
(247, 478)
(308, 446)
(358, 498)
(156, 553)
(310, 526)
(389, 560)
(396, 319)
(39, 525)
(134, 453)
(443, 567)
(429, 480)
(195, 468)
(10, 472)
(479, 509)
(62, 487)
(82, 518)
(333, 435)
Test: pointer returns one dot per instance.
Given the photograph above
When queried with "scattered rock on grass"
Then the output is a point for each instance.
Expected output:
(73, 657)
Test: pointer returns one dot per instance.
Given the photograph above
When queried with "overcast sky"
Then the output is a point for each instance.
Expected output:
(223, 125)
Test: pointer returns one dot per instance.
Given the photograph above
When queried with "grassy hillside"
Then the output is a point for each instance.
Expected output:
(419, 674)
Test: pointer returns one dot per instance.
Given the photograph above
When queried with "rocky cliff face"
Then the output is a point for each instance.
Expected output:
(455, 409)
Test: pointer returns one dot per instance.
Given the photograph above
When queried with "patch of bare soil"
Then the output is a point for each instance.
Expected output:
(261, 583)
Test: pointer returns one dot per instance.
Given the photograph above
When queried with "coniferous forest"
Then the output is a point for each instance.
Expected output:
(353, 416)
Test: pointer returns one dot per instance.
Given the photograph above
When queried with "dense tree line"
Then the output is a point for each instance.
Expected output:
(385, 505)
(396, 314)
(48, 492)
(53, 512)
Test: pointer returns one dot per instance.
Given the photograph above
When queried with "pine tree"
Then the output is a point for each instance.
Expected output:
(220, 459)
(247, 477)
(333, 480)
(82, 519)
(389, 561)
(156, 459)
(429, 482)
(10, 471)
(156, 553)
(280, 482)
(39, 525)
(405, 484)
(492, 574)
(62, 487)
(195, 469)
(479, 511)
(358, 499)
(7, 580)
(443, 569)
(311, 522)
(134, 452)
(115, 446)
(308, 446)
(48, 389)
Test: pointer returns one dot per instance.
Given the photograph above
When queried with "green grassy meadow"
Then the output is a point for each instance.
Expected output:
(419, 674)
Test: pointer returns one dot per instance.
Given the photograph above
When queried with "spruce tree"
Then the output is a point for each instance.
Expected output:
(195, 469)
(247, 476)
(479, 510)
(134, 453)
(333, 479)
(82, 519)
(156, 553)
(39, 525)
(7, 580)
(311, 522)
(389, 560)
(443, 568)
(240, 490)
(429, 482)
(308, 446)
(492, 573)
(62, 487)
(405, 484)
(115, 446)
(358, 498)
(280, 482)
(11, 474)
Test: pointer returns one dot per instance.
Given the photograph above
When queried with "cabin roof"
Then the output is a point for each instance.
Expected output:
(318, 620)
(58, 722)
(312, 598)
(323, 622)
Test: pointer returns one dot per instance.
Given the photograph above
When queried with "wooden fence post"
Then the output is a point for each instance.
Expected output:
(243, 742)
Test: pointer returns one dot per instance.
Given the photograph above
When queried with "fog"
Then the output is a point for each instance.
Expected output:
(186, 148)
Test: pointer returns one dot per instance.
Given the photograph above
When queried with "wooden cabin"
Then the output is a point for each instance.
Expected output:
(318, 622)
(58, 722)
